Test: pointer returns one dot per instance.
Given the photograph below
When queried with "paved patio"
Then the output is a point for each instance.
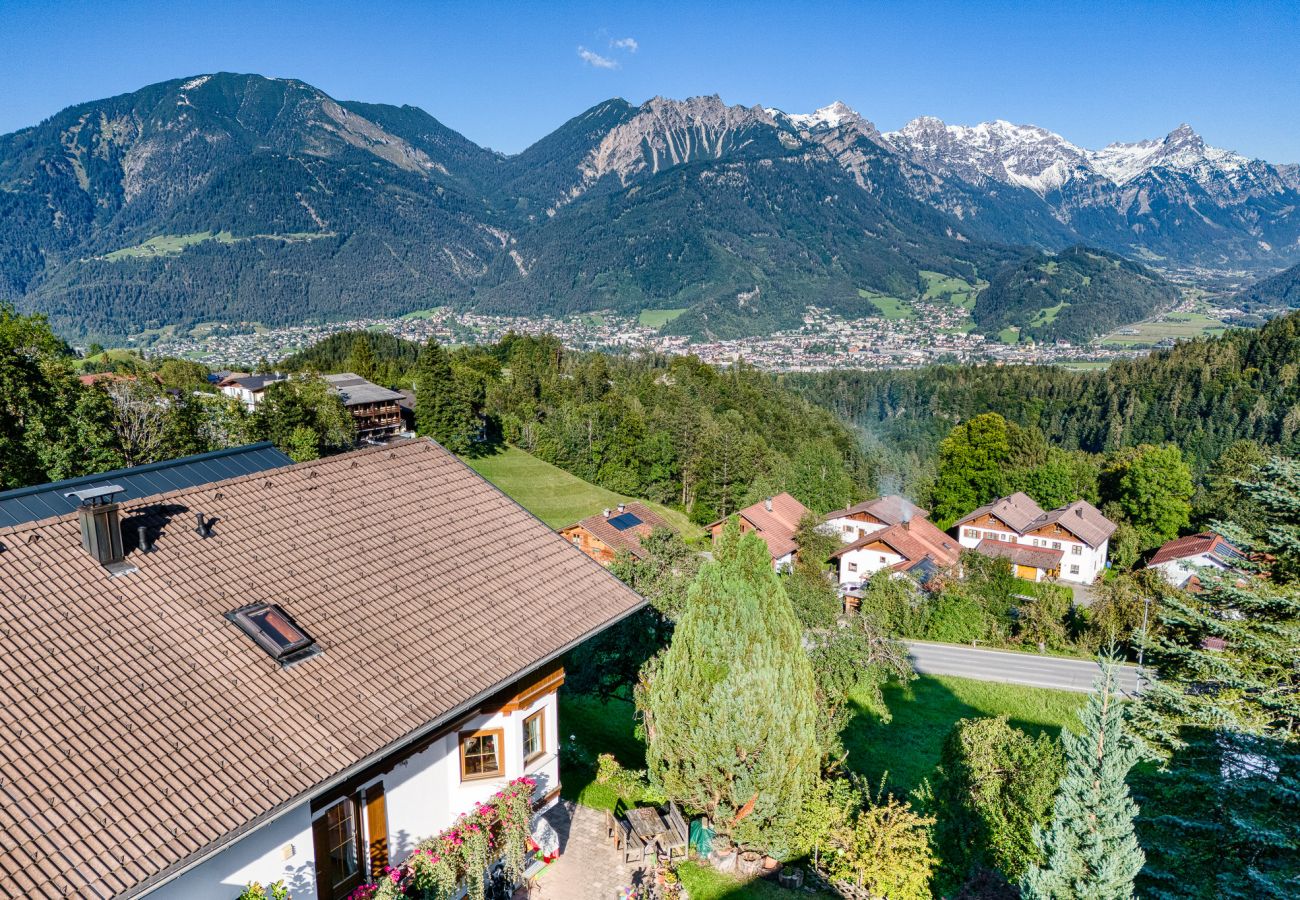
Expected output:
(589, 868)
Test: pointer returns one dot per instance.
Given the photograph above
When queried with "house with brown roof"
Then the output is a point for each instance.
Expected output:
(374, 409)
(1027, 561)
(1078, 530)
(905, 547)
(861, 519)
(776, 520)
(1181, 561)
(611, 531)
(294, 673)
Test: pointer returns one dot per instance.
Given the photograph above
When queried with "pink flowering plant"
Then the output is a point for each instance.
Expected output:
(499, 828)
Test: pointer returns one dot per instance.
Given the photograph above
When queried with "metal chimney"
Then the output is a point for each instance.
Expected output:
(767, 504)
(101, 530)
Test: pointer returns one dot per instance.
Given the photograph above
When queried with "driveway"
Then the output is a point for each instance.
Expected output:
(1030, 669)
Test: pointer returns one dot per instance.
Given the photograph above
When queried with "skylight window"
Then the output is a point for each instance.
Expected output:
(625, 521)
(275, 632)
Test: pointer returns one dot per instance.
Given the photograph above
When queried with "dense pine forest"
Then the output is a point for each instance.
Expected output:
(1201, 396)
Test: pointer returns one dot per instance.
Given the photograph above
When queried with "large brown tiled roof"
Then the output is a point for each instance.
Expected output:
(1081, 519)
(1193, 545)
(141, 729)
(777, 526)
(890, 509)
(1018, 511)
(1043, 558)
(913, 541)
(628, 539)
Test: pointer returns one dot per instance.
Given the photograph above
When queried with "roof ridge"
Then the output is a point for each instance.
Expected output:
(149, 500)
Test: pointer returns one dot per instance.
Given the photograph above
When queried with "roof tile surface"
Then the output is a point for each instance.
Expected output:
(139, 725)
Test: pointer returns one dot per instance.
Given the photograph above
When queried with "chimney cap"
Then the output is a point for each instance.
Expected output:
(91, 495)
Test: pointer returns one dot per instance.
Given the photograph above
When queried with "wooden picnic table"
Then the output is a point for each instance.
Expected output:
(646, 822)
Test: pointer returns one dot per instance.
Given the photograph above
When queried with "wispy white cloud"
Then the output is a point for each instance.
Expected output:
(629, 44)
(592, 58)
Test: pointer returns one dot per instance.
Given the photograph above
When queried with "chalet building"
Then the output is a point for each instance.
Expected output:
(1181, 561)
(913, 545)
(294, 672)
(776, 520)
(610, 531)
(247, 389)
(1078, 530)
(863, 518)
(376, 410)
(1027, 561)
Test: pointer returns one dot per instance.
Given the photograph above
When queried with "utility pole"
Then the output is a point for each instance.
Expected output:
(1142, 645)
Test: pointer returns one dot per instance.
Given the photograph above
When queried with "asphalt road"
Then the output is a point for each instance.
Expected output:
(1013, 668)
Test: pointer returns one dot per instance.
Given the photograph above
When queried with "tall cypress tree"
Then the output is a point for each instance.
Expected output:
(441, 411)
(1090, 849)
(1223, 817)
(730, 710)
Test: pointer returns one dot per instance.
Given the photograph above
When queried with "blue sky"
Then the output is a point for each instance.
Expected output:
(505, 74)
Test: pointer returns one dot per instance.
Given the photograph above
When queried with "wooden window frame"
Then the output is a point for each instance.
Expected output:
(500, 735)
(540, 717)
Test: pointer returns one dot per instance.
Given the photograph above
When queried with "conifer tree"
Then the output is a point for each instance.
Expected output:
(1223, 817)
(729, 709)
(440, 410)
(361, 360)
(1090, 849)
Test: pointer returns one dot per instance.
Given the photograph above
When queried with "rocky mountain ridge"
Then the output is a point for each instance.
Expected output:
(237, 198)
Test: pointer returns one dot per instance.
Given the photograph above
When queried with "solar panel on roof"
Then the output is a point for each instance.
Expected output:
(40, 501)
(625, 521)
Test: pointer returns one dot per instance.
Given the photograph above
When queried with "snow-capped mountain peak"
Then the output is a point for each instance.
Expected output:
(1023, 155)
(1181, 150)
(832, 116)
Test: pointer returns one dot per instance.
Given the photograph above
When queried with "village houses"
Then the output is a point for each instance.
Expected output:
(776, 520)
(611, 531)
(1078, 531)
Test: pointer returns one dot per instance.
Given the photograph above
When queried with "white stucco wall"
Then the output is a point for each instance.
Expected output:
(856, 528)
(423, 795)
(868, 562)
(1177, 571)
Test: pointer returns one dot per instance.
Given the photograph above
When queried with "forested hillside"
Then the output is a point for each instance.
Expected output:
(1201, 395)
(1281, 291)
(1073, 295)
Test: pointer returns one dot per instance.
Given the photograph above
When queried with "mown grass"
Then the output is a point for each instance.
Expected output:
(172, 244)
(889, 307)
(710, 884)
(658, 318)
(555, 496)
(956, 291)
(905, 749)
(1171, 326)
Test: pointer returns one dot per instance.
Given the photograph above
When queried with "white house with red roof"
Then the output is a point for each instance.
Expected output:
(1078, 530)
(1181, 560)
(903, 547)
(860, 519)
(776, 520)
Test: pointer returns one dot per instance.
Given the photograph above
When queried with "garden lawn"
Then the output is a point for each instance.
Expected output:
(593, 727)
(907, 747)
(923, 712)
(709, 884)
(555, 496)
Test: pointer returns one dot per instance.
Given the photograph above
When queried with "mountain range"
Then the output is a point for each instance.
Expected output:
(238, 198)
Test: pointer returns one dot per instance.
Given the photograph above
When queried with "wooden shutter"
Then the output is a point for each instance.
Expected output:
(376, 829)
